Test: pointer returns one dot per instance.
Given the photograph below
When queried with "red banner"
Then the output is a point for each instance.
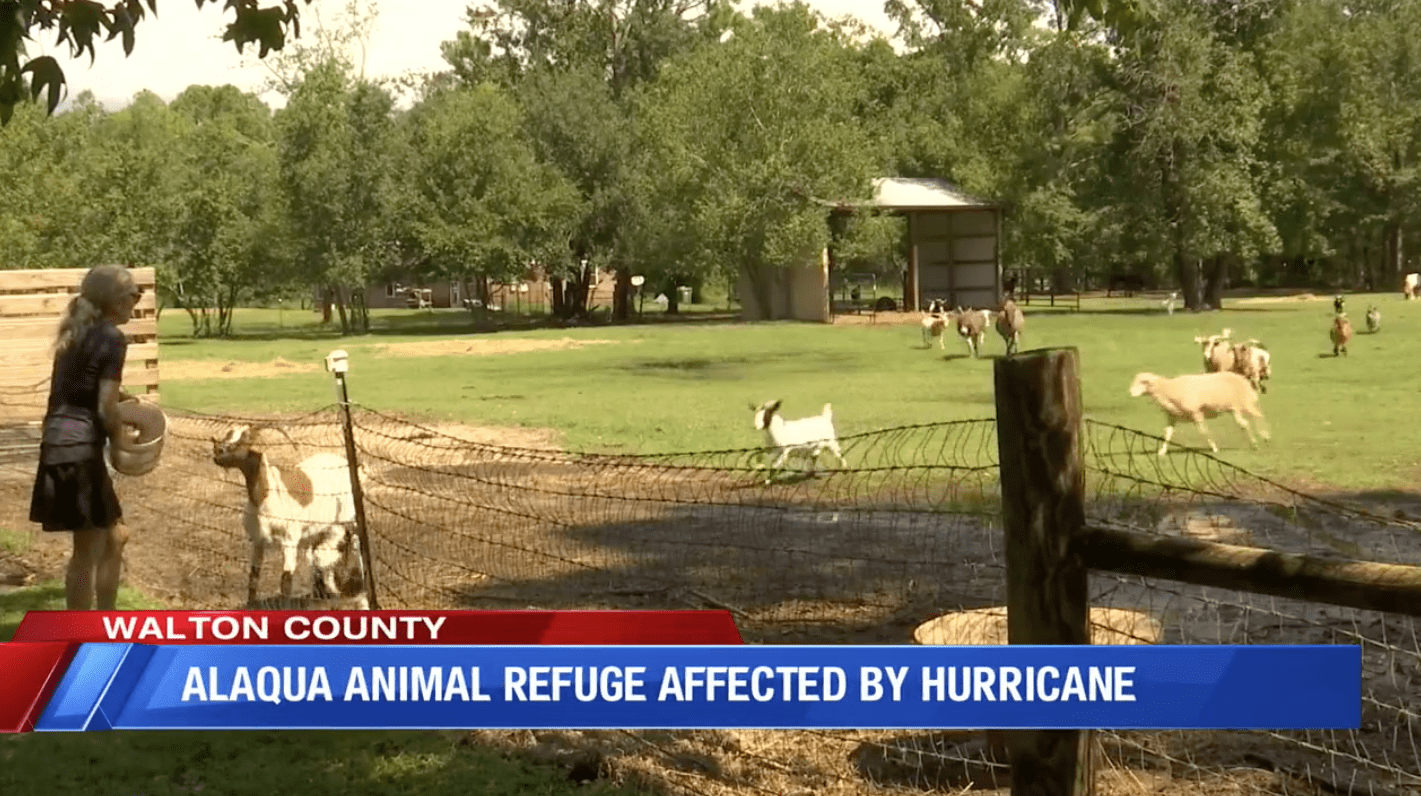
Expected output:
(381, 627)
(32, 672)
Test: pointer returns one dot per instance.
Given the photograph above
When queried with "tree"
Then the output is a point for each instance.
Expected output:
(80, 21)
(740, 143)
(481, 202)
(571, 65)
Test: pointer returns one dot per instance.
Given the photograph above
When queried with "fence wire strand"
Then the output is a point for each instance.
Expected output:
(908, 531)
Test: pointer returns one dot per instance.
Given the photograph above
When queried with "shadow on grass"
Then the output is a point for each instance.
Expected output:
(242, 763)
(1231, 308)
(447, 323)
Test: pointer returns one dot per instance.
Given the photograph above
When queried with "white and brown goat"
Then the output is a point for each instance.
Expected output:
(305, 507)
(934, 324)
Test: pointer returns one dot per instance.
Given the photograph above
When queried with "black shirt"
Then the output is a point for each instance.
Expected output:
(72, 428)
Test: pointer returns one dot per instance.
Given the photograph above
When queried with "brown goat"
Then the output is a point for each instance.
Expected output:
(1341, 333)
(1010, 321)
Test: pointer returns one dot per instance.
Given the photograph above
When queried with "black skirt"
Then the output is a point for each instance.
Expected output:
(75, 496)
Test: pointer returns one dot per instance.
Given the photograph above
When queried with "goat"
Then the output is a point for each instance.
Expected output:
(1198, 396)
(1253, 362)
(1338, 304)
(935, 324)
(1341, 333)
(1010, 321)
(807, 435)
(972, 327)
(306, 507)
(1374, 319)
(1218, 351)
(1169, 302)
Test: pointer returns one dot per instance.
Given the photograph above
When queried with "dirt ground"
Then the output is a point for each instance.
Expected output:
(478, 346)
(467, 517)
(483, 345)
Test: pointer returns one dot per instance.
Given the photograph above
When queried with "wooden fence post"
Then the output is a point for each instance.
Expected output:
(1038, 400)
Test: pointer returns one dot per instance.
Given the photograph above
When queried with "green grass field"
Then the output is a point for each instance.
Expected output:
(679, 387)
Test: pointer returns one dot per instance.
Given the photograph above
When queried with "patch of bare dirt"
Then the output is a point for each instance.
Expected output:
(482, 345)
(1282, 299)
(882, 318)
(182, 370)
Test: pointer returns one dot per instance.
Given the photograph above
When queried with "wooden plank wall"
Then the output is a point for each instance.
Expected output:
(31, 303)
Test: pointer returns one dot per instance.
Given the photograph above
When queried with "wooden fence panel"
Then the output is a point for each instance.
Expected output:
(31, 304)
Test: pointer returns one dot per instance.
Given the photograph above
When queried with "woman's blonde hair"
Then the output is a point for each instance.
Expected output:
(102, 287)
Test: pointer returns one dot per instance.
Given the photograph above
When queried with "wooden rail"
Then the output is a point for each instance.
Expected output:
(1370, 586)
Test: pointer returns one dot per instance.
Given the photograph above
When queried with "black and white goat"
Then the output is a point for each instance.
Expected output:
(307, 507)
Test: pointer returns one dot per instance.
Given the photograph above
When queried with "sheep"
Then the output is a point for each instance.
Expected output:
(1010, 321)
(1374, 319)
(1218, 351)
(1341, 332)
(808, 435)
(306, 507)
(972, 327)
(935, 324)
(1253, 362)
(1411, 286)
(1199, 396)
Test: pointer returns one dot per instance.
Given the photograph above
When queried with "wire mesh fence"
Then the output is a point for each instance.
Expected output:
(910, 530)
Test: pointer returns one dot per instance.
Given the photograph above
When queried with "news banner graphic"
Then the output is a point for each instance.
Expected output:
(160, 670)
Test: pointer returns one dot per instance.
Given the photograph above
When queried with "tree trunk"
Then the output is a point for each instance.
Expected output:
(555, 292)
(622, 298)
(1395, 249)
(1214, 280)
(340, 308)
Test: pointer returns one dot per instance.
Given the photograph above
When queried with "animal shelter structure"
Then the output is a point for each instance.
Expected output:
(954, 240)
(31, 304)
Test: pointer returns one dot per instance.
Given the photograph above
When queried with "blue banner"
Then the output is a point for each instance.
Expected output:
(142, 687)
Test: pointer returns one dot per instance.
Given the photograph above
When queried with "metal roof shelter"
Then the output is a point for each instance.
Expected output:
(954, 250)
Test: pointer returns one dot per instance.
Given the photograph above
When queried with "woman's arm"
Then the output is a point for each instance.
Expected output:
(108, 413)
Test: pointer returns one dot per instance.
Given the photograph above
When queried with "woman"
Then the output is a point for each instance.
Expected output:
(73, 492)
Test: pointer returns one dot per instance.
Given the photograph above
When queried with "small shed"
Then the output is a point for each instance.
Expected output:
(954, 250)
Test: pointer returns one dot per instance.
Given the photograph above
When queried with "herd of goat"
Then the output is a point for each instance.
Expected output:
(307, 507)
(1235, 373)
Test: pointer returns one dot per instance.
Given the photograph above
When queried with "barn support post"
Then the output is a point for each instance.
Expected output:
(1038, 401)
(336, 363)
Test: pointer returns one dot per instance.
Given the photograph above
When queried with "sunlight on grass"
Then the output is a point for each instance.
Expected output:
(659, 388)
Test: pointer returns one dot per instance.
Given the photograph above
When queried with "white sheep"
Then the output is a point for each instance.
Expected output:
(1199, 396)
(1252, 361)
(934, 324)
(1218, 351)
(307, 507)
(972, 327)
(1010, 321)
(1411, 286)
(1374, 319)
(807, 435)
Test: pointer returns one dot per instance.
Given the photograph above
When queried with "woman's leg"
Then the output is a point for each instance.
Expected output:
(89, 548)
(110, 567)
